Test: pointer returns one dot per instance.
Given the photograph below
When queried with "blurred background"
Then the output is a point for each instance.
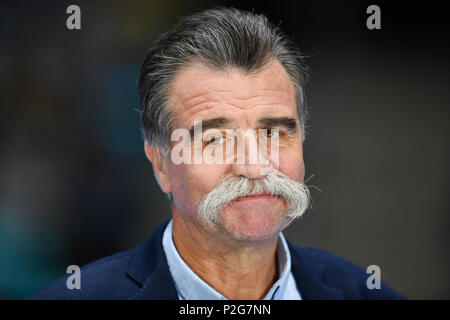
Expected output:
(75, 185)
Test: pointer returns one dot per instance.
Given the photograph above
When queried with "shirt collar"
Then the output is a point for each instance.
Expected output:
(191, 287)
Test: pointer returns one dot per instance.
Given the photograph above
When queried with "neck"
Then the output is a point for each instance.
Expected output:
(236, 269)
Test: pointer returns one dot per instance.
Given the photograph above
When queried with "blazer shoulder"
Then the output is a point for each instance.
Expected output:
(105, 278)
(340, 273)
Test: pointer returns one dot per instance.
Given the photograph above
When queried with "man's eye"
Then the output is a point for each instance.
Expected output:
(216, 140)
(271, 133)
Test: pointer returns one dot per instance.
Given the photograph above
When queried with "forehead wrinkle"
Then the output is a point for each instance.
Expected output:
(217, 94)
(236, 102)
(205, 95)
(259, 105)
(208, 96)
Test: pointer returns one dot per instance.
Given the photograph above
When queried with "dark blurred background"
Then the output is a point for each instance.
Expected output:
(75, 185)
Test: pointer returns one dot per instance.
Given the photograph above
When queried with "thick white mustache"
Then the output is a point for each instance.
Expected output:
(232, 188)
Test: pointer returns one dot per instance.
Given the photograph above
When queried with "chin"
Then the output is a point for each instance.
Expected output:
(251, 225)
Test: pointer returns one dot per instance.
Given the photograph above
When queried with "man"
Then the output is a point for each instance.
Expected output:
(219, 79)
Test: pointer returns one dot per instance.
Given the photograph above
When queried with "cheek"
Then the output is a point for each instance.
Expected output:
(179, 187)
(191, 182)
(292, 164)
(203, 178)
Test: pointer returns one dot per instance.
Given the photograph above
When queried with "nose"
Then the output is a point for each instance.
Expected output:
(251, 159)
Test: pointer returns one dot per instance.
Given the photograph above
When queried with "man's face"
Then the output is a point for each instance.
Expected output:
(199, 93)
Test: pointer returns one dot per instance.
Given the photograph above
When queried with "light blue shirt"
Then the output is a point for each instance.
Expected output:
(191, 287)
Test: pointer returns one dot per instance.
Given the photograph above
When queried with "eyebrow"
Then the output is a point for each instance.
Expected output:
(289, 124)
(209, 124)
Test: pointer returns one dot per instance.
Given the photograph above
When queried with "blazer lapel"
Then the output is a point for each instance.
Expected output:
(148, 267)
(309, 278)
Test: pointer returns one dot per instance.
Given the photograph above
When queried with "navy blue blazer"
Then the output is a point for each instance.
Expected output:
(143, 273)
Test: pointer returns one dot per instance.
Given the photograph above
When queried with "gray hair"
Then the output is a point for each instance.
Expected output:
(220, 38)
(231, 188)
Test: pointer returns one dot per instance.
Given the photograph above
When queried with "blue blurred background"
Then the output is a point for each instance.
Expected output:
(75, 185)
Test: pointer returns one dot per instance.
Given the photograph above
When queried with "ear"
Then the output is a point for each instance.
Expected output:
(159, 166)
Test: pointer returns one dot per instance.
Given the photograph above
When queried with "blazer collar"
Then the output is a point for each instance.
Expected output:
(309, 276)
(148, 267)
